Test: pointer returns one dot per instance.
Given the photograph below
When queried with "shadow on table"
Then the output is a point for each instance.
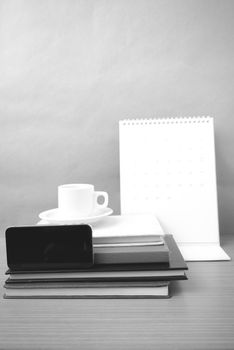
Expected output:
(176, 288)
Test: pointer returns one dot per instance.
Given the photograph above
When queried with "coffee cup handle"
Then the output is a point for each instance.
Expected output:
(98, 194)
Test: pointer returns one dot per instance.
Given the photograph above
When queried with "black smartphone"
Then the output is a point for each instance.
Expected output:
(49, 247)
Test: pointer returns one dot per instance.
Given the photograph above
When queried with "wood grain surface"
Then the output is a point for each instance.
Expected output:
(200, 315)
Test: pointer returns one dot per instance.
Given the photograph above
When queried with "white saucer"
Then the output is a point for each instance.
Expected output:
(54, 217)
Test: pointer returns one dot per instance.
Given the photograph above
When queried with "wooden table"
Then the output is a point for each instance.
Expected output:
(200, 315)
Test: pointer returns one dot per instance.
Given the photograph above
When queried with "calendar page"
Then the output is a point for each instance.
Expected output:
(167, 167)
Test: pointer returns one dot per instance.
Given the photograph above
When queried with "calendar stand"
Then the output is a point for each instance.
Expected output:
(167, 167)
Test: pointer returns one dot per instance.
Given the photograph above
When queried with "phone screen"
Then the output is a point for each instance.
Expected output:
(49, 247)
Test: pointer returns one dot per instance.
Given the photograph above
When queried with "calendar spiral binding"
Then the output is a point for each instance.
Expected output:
(166, 120)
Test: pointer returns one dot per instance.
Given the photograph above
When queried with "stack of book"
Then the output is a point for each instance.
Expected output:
(127, 264)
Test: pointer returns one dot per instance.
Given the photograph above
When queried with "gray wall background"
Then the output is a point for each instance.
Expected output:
(70, 70)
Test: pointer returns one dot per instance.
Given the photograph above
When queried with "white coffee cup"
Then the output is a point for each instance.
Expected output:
(79, 200)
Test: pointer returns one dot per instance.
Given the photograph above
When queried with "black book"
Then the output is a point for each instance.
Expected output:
(83, 284)
(153, 271)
